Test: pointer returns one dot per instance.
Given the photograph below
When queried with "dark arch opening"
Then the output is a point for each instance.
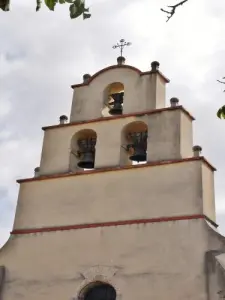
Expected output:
(113, 99)
(82, 154)
(100, 291)
(134, 142)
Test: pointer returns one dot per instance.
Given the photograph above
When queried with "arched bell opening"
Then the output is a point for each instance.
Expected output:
(113, 99)
(134, 143)
(98, 291)
(82, 154)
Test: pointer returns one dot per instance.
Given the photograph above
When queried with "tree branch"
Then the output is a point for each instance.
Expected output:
(223, 82)
(172, 9)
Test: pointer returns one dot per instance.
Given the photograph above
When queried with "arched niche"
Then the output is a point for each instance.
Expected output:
(83, 150)
(98, 290)
(113, 93)
(134, 143)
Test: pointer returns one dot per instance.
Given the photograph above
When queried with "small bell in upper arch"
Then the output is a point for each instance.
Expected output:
(117, 108)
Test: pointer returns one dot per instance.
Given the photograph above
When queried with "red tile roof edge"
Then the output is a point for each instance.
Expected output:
(135, 114)
(118, 67)
(110, 224)
(116, 168)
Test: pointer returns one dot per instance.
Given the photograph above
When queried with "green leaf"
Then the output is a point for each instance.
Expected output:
(74, 11)
(86, 16)
(38, 5)
(221, 112)
(4, 5)
(78, 8)
(51, 4)
(62, 1)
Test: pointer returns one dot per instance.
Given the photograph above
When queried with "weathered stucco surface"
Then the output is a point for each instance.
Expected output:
(140, 93)
(152, 261)
(147, 192)
(165, 141)
(173, 260)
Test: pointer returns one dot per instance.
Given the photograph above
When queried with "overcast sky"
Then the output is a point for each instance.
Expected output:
(42, 54)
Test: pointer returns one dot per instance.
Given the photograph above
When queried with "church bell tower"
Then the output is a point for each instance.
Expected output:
(122, 205)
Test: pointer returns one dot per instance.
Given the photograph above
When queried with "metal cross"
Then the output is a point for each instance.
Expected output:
(121, 45)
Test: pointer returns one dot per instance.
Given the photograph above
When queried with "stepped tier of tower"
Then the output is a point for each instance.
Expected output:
(122, 205)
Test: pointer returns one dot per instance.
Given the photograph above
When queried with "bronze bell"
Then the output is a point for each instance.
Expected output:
(139, 146)
(117, 108)
(86, 153)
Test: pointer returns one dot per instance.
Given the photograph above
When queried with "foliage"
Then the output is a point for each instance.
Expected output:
(4, 5)
(76, 7)
(221, 111)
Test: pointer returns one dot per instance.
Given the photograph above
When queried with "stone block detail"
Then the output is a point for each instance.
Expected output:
(97, 273)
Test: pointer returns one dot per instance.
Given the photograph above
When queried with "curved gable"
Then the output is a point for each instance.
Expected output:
(108, 69)
(141, 92)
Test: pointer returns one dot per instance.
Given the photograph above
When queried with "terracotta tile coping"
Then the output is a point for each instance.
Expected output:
(108, 224)
(117, 168)
(119, 67)
(135, 114)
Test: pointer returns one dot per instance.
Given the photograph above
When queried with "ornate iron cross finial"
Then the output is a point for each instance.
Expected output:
(121, 45)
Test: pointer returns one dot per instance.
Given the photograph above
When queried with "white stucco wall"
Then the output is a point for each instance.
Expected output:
(208, 193)
(152, 261)
(166, 140)
(146, 192)
(140, 93)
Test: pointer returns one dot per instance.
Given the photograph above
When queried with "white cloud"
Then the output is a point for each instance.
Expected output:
(4, 234)
(43, 53)
(5, 107)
